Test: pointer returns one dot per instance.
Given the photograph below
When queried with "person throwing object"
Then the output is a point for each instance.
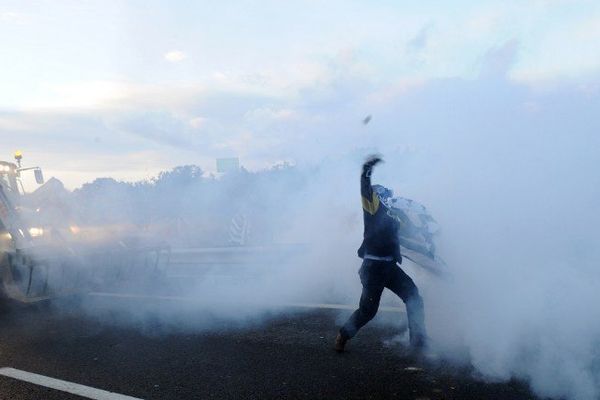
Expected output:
(380, 251)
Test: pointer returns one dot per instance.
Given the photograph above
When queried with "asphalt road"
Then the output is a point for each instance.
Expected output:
(288, 356)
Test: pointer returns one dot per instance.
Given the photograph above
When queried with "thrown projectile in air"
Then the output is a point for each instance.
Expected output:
(367, 119)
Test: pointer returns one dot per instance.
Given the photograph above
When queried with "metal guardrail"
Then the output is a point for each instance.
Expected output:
(229, 260)
(232, 254)
(145, 266)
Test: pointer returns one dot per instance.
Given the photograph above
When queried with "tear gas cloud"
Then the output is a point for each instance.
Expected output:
(508, 172)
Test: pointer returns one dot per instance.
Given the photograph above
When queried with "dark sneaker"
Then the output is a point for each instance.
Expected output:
(419, 343)
(421, 347)
(340, 343)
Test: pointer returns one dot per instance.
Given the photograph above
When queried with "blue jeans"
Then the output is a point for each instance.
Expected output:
(375, 276)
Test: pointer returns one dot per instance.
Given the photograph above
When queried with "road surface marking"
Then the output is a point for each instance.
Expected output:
(189, 299)
(64, 386)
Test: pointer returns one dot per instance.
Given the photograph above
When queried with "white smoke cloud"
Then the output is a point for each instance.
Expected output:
(175, 56)
(507, 170)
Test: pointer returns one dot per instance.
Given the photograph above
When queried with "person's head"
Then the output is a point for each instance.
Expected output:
(384, 194)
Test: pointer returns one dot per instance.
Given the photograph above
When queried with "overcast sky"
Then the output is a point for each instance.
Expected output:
(128, 88)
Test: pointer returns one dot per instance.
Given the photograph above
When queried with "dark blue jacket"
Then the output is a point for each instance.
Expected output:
(381, 231)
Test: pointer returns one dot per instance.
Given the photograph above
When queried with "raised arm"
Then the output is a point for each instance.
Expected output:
(370, 201)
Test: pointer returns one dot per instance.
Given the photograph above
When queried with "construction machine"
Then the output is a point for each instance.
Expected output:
(45, 253)
(24, 276)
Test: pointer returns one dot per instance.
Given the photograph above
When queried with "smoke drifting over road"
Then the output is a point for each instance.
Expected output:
(508, 172)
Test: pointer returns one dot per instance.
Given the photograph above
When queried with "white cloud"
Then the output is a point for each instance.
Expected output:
(14, 123)
(267, 114)
(75, 95)
(393, 90)
(10, 16)
(565, 55)
(197, 122)
(175, 56)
